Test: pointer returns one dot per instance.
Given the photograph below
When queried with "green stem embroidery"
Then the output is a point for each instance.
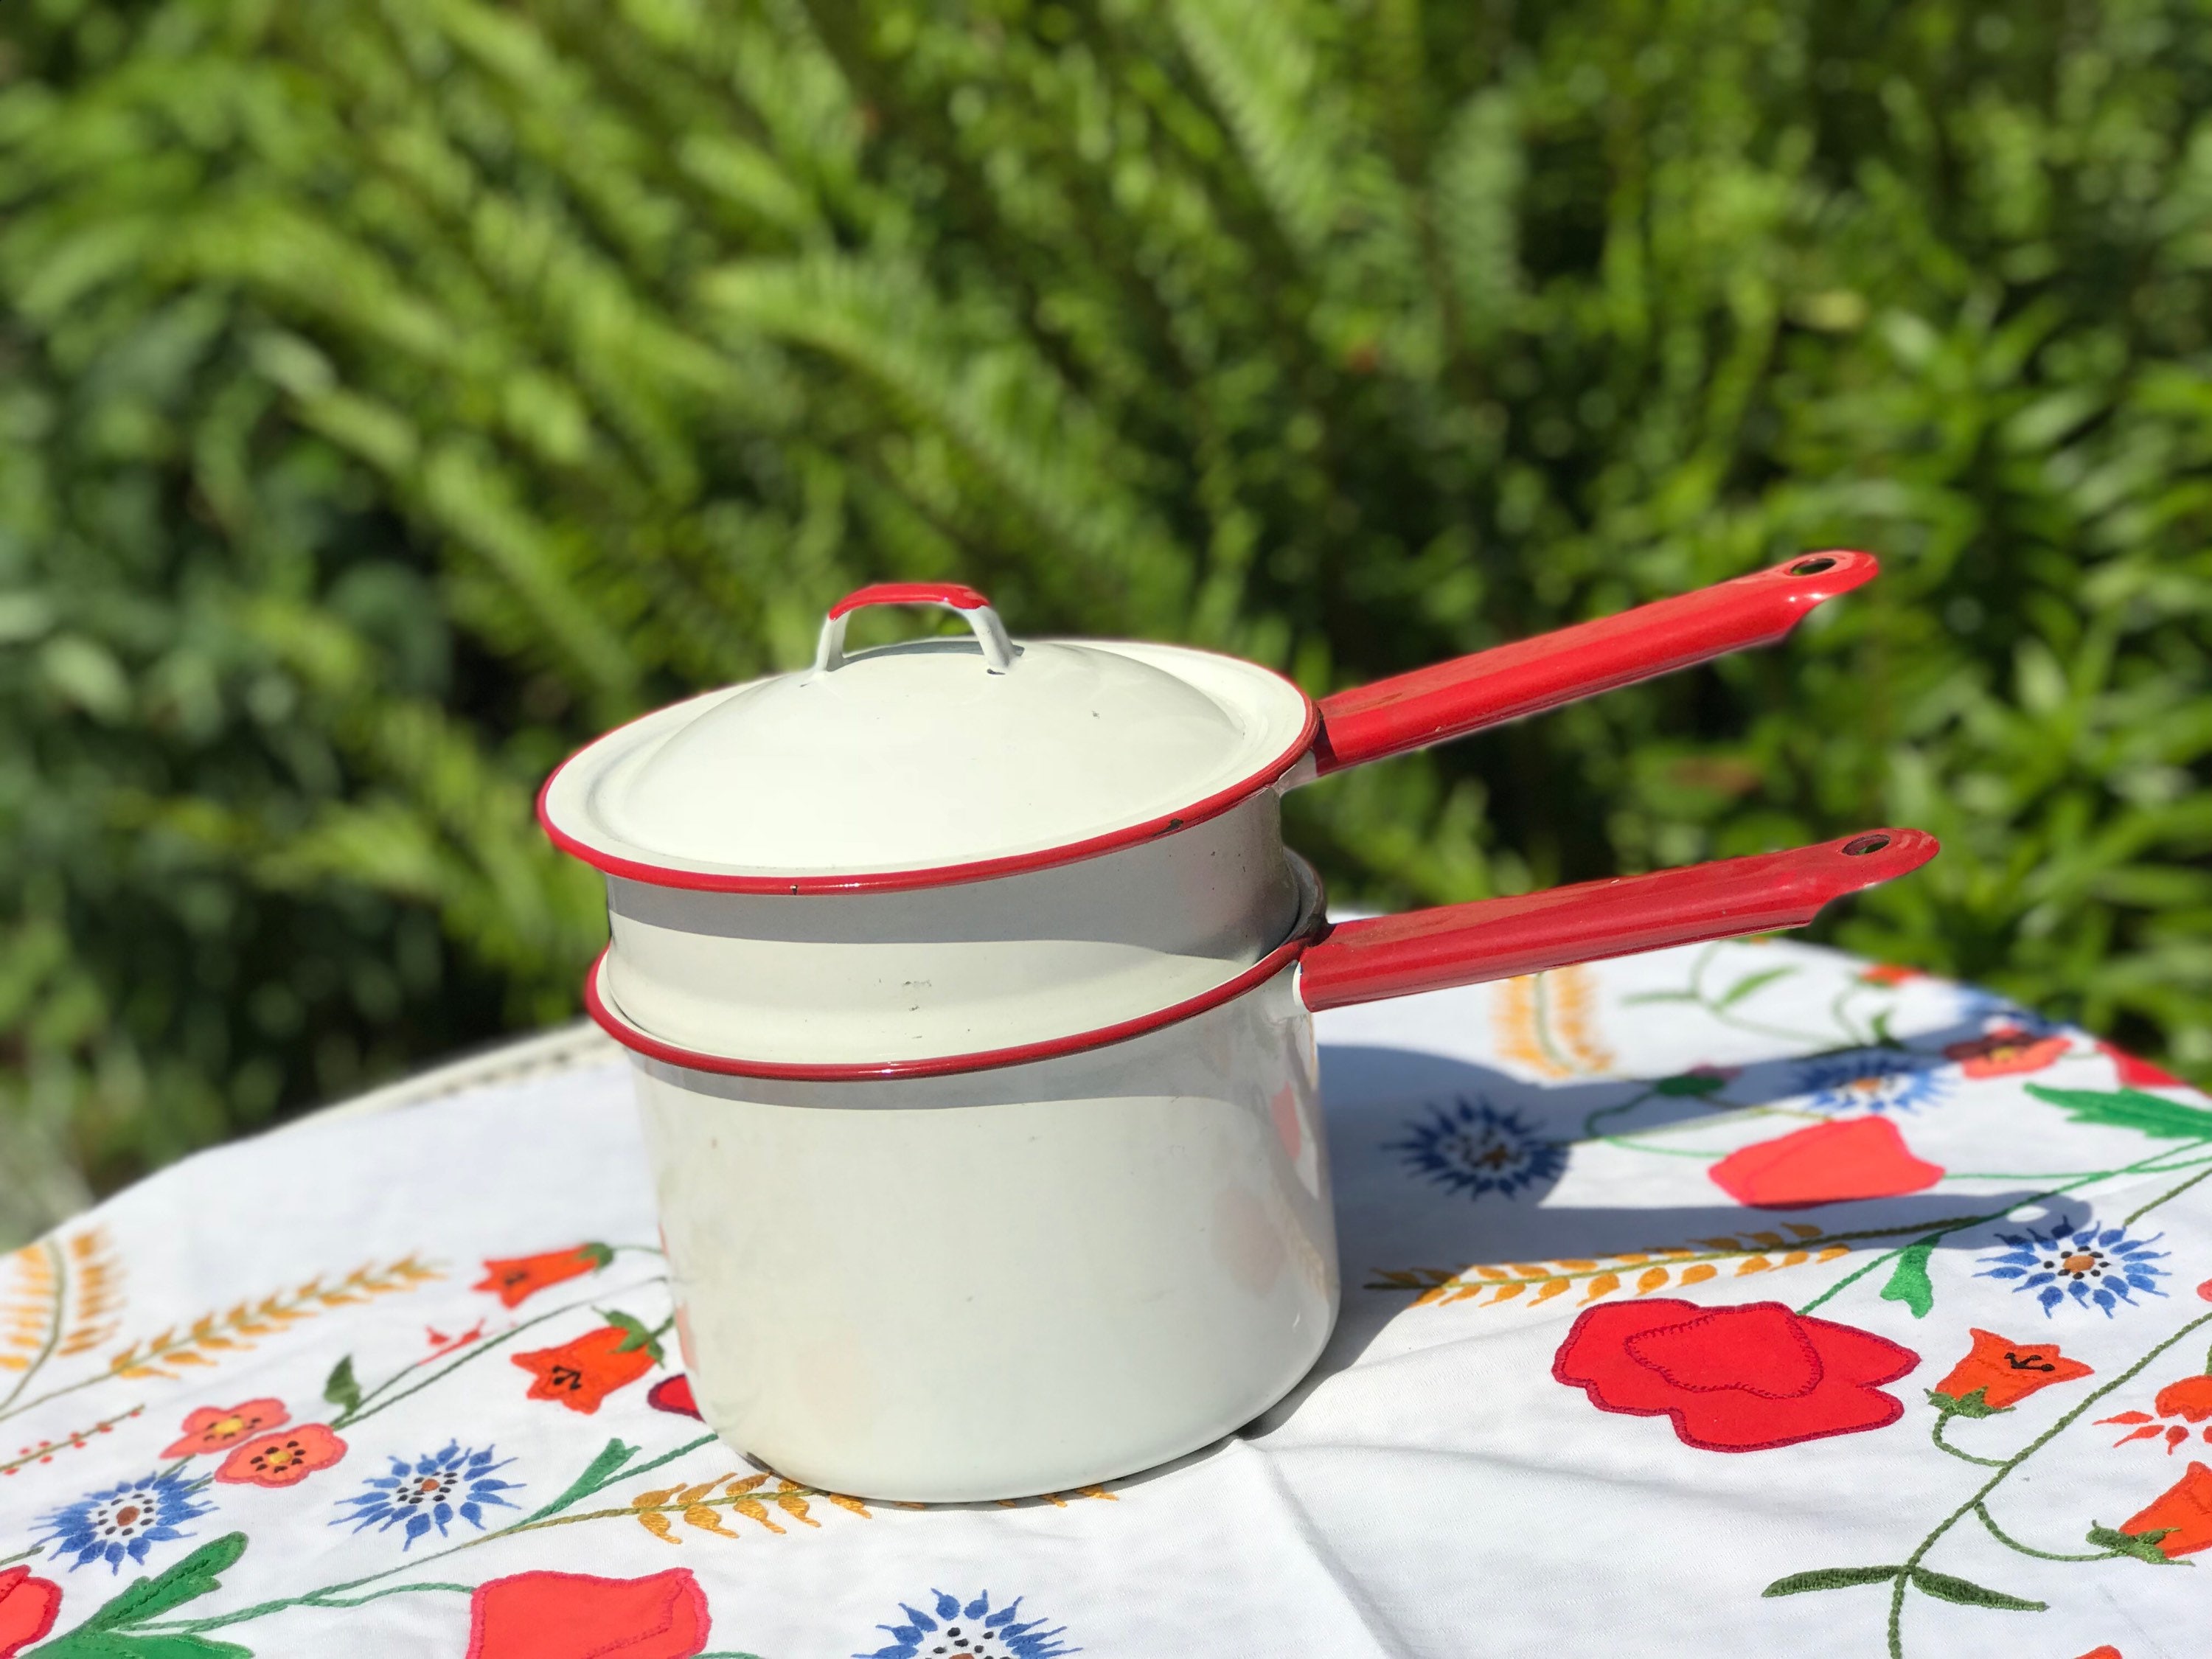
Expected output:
(2011, 1543)
(2167, 1196)
(1935, 1434)
(22, 1555)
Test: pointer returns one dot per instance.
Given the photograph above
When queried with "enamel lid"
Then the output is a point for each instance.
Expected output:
(934, 760)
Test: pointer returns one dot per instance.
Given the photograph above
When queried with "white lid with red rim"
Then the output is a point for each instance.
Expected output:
(925, 760)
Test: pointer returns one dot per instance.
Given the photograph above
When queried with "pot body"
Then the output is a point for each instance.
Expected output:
(959, 968)
(999, 1283)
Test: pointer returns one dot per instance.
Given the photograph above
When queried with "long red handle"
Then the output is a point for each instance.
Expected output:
(1450, 699)
(1498, 938)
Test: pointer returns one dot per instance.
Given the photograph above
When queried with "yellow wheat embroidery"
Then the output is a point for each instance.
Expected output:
(212, 1335)
(748, 1495)
(32, 1312)
(97, 1291)
(1548, 1022)
(1638, 1271)
(1059, 1499)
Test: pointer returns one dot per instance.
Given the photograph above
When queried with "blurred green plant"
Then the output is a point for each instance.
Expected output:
(395, 393)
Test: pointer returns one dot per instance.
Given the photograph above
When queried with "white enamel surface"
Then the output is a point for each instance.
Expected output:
(921, 756)
(828, 978)
(1006, 1282)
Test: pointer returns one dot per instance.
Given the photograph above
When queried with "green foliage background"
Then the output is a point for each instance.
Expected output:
(395, 393)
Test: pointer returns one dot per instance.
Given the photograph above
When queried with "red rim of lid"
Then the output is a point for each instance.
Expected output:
(1311, 928)
(944, 875)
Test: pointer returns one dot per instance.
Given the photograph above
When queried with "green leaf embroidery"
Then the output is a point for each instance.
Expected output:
(1828, 1578)
(636, 1334)
(2139, 1545)
(600, 1471)
(1749, 983)
(1944, 1588)
(599, 1253)
(89, 1644)
(1976, 1404)
(149, 1598)
(342, 1390)
(1909, 1282)
(2129, 1109)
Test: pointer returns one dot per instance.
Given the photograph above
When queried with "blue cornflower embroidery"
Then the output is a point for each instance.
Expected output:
(1474, 1148)
(972, 1630)
(2091, 1266)
(127, 1519)
(430, 1491)
(1872, 1080)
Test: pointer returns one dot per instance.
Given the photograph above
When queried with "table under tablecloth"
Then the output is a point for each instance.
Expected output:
(1730, 1302)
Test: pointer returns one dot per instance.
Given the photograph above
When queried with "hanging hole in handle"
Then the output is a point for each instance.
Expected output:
(1860, 846)
(1812, 567)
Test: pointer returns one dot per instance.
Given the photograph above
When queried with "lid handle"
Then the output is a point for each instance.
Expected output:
(990, 632)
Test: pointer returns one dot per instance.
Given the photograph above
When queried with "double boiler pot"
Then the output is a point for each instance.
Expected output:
(969, 986)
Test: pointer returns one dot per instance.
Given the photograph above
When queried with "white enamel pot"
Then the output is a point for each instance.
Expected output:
(933, 850)
(1031, 1270)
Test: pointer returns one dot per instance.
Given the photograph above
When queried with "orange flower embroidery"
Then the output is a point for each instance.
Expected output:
(2005, 1052)
(582, 1373)
(513, 1277)
(2183, 1511)
(283, 1459)
(1887, 973)
(2189, 1399)
(218, 1428)
(2007, 1372)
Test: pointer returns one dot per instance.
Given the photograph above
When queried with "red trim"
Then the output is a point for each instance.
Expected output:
(951, 593)
(615, 1025)
(947, 875)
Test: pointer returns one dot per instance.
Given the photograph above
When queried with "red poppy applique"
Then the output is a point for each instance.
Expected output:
(1997, 1374)
(28, 1607)
(2183, 1512)
(218, 1428)
(2190, 1400)
(672, 1394)
(2133, 1072)
(513, 1279)
(569, 1615)
(282, 1459)
(1827, 1163)
(1733, 1379)
(2007, 1051)
(582, 1373)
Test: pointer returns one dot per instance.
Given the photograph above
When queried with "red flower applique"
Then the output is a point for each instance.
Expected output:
(1887, 973)
(1825, 1163)
(569, 1615)
(2107, 1652)
(218, 1428)
(582, 1373)
(2005, 1052)
(2183, 1511)
(672, 1394)
(1733, 1379)
(442, 1344)
(2006, 1373)
(2189, 1399)
(512, 1278)
(282, 1459)
(2134, 1073)
(28, 1607)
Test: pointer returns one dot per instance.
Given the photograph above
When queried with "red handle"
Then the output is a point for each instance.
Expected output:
(945, 593)
(1450, 699)
(1499, 938)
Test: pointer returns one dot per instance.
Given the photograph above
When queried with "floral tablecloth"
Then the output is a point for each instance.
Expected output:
(1746, 1300)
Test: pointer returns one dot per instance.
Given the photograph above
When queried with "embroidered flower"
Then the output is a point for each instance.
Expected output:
(430, 1491)
(1472, 1148)
(582, 1373)
(28, 1607)
(218, 1428)
(513, 1279)
(2183, 1511)
(1871, 1080)
(2189, 1399)
(969, 1630)
(672, 1394)
(126, 1520)
(1733, 1379)
(2005, 1052)
(2136, 1072)
(1825, 1163)
(2095, 1268)
(2003, 1372)
(1888, 973)
(282, 1459)
(570, 1615)
(441, 1343)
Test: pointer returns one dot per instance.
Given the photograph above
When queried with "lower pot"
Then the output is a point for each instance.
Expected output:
(999, 1283)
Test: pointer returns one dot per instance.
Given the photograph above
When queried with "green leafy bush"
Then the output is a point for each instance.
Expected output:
(395, 393)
